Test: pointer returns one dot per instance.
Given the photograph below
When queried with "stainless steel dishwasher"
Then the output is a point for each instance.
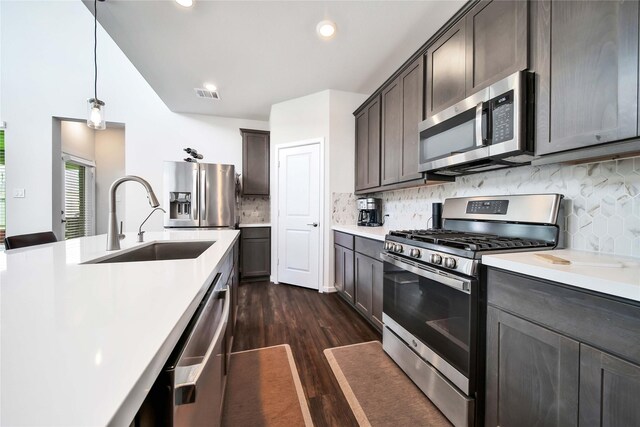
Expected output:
(190, 389)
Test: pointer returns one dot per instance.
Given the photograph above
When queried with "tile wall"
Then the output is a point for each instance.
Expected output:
(255, 210)
(601, 208)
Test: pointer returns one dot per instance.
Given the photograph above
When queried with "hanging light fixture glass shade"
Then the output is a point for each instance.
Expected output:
(95, 113)
(95, 107)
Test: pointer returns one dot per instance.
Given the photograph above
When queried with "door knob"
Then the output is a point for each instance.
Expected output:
(315, 224)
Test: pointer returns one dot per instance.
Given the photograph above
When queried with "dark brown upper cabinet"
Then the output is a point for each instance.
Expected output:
(585, 55)
(368, 146)
(496, 45)
(485, 46)
(401, 113)
(255, 162)
(446, 72)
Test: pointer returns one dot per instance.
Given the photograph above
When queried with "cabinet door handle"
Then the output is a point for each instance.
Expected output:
(315, 224)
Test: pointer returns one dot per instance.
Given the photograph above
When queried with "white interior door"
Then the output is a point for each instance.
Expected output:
(299, 215)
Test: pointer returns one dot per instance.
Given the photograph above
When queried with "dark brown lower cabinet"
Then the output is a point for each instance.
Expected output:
(358, 274)
(559, 356)
(255, 248)
(344, 275)
(532, 374)
(609, 389)
(369, 288)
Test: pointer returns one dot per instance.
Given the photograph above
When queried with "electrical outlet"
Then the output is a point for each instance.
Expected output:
(18, 193)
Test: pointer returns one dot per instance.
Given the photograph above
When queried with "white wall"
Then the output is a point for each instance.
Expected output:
(78, 139)
(328, 115)
(46, 50)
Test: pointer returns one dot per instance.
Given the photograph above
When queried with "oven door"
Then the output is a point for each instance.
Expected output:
(437, 309)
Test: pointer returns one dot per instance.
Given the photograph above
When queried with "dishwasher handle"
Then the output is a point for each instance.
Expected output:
(187, 377)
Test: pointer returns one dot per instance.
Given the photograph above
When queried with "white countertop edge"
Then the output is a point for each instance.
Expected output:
(582, 277)
(375, 233)
(257, 224)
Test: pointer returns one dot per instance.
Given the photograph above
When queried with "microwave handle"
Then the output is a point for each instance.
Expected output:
(480, 140)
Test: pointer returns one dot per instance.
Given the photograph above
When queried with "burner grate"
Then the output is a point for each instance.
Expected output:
(469, 241)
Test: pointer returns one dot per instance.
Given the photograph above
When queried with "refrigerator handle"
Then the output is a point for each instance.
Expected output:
(203, 195)
(196, 191)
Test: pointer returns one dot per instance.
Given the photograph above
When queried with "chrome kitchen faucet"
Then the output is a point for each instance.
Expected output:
(113, 237)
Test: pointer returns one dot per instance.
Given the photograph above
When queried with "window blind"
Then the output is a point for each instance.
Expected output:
(75, 201)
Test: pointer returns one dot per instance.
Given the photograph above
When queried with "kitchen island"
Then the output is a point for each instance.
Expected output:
(82, 344)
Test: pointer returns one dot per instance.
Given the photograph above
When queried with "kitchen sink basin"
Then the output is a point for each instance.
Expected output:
(158, 251)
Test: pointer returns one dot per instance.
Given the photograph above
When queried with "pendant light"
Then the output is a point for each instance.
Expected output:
(95, 107)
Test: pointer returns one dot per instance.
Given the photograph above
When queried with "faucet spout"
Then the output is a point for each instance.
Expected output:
(113, 237)
(140, 232)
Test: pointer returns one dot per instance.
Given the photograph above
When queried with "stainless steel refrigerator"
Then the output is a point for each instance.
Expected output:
(199, 195)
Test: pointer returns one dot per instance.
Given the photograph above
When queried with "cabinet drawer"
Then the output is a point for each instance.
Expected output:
(602, 322)
(343, 239)
(256, 233)
(369, 247)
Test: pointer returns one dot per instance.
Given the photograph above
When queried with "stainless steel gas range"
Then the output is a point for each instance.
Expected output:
(434, 301)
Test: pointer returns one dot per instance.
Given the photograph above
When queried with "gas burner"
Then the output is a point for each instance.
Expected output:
(490, 242)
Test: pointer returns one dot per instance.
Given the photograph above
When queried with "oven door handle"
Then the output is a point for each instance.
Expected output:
(455, 283)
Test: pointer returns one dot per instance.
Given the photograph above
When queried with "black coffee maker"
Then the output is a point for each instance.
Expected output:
(370, 212)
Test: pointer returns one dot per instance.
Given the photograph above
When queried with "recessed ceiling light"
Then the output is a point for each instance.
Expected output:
(211, 87)
(326, 29)
(185, 3)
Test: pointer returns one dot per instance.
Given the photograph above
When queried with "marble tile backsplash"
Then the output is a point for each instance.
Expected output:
(255, 210)
(601, 206)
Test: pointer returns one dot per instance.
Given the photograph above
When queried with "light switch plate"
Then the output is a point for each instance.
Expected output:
(18, 193)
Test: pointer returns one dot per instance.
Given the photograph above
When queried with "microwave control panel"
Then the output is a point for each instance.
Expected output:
(488, 207)
(502, 113)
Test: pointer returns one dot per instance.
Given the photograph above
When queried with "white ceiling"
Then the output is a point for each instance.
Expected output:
(259, 53)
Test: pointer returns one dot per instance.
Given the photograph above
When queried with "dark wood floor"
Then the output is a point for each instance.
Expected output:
(309, 322)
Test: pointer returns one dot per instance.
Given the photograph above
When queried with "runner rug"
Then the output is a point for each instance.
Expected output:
(378, 391)
(264, 389)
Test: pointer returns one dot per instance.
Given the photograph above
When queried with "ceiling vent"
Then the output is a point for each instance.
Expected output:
(207, 94)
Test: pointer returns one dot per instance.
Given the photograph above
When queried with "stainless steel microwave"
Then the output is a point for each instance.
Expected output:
(491, 129)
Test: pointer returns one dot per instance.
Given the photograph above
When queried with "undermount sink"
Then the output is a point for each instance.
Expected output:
(158, 251)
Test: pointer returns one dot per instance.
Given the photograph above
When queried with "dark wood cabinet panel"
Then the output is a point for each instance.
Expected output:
(255, 252)
(343, 272)
(609, 389)
(376, 294)
(402, 103)
(496, 44)
(391, 132)
(585, 55)
(532, 374)
(368, 146)
(364, 270)
(338, 268)
(255, 162)
(446, 70)
(412, 81)
(358, 274)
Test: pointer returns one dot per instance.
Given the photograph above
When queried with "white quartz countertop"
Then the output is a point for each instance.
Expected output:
(376, 233)
(258, 224)
(621, 281)
(82, 344)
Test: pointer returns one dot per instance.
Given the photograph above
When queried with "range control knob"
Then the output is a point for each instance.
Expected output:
(450, 262)
(388, 246)
(435, 259)
(398, 248)
(415, 253)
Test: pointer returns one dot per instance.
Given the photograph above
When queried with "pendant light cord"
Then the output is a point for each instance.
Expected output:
(95, 49)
